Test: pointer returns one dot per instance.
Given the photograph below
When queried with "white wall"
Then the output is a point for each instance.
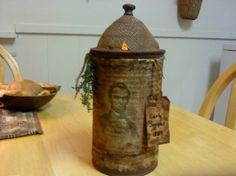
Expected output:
(50, 39)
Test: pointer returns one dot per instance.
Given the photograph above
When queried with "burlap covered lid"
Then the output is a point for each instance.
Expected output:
(127, 36)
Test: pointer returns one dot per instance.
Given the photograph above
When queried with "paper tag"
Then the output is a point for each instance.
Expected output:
(157, 115)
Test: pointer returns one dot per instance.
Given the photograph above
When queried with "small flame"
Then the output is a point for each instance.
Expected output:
(124, 47)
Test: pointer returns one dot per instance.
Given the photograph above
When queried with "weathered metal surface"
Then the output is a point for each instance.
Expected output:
(119, 127)
(130, 115)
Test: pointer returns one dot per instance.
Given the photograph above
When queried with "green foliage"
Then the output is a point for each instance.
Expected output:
(85, 87)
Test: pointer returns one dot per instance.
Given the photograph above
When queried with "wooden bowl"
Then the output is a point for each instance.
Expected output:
(27, 103)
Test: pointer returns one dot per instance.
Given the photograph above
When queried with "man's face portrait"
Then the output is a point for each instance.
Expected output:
(119, 98)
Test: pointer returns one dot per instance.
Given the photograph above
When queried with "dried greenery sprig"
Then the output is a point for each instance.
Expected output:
(85, 86)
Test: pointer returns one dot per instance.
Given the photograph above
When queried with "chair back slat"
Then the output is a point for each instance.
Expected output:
(214, 93)
(11, 62)
(230, 120)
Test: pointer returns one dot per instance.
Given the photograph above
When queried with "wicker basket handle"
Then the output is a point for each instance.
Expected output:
(11, 63)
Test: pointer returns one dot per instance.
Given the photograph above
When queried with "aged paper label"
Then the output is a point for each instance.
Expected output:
(157, 115)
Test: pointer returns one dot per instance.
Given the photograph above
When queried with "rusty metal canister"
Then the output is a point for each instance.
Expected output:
(130, 115)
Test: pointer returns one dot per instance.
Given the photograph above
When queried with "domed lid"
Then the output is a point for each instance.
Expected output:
(127, 36)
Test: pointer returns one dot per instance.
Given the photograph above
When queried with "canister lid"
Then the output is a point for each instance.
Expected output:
(127, 36)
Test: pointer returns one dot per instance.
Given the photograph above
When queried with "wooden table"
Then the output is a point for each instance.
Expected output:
(198, 146)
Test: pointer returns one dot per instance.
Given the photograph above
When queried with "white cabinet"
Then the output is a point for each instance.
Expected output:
(228, 57)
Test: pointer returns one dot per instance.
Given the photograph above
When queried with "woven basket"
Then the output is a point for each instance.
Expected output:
(189, 9)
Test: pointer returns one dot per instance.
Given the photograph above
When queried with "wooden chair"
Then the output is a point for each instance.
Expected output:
(207, 107)
(4, 55)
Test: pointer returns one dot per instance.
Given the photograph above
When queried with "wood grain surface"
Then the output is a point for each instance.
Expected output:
(197, 146)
